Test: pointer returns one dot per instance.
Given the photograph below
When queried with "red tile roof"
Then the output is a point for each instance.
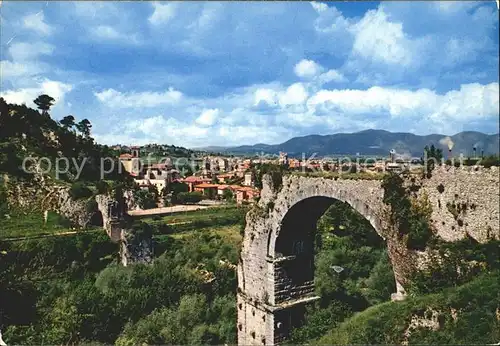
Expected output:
(193, 179)
(203, 186)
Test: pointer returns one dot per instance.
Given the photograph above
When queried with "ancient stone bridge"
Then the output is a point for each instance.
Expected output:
(276, 268)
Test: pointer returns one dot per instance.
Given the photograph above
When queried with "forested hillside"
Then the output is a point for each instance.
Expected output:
(26, 132)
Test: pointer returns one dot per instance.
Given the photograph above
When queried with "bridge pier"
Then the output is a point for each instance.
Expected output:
(276, 267)
(268, 324)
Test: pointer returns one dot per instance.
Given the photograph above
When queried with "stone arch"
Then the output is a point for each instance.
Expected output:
(318, 202)
(270, 277)
(292, 244)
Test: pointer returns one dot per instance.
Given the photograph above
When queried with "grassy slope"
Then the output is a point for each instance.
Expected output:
(31, 224)
(192, 215)
(477, 303)
(197, 220)
(230, 234)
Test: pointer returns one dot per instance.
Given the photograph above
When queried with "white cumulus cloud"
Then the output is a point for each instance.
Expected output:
(472, 101)
(307, 69)
(266, 95)
(331, 76)
(295, 94)
(52, 88)
(163, 13)
(208, 117)
(319, 6)
(377, 38)
(36, 22)
(117, 99)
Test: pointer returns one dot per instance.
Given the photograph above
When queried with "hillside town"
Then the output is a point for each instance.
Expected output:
(226, 177)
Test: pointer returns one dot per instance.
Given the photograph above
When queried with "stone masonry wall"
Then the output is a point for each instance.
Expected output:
(474, 193)
(468, 204)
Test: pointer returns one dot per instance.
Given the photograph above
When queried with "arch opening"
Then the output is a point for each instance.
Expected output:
(97, 219)
(326, 251)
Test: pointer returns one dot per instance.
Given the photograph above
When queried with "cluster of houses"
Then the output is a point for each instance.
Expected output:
(393, 162)
(246, 192)
(215, 175)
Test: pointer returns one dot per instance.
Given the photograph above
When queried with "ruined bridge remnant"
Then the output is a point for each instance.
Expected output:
(276, 268)
(116, 223)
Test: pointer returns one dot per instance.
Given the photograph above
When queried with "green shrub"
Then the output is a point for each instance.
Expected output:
(475, 321)
(102, 187)
(454, 264)
(493, 160)
(409, 220)
(189, 197)
(4, 205)
(146, 199)
(91, 206)
(79, 191)
(228, 195)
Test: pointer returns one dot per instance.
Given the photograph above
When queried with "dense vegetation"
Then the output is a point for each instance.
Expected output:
(462, 315)
(70, 290)
(26, 132)
(187, 295)
(410, 219)
(456, 294)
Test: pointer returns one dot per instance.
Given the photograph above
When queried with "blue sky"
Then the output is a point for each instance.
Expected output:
(230, 73)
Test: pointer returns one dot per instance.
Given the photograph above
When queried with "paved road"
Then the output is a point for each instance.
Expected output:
(167, 210)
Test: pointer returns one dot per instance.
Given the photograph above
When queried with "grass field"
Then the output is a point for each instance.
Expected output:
(230, 234)
(228, 237)
(31, 224)
(199, 219)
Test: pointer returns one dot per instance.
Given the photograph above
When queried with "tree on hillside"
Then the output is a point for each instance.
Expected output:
(68, 122)
(146, 199)
(432, 155)
(175, 188)
(434, 152)
(84, 127)
(275, 171)
(228, 195)
(44, 102)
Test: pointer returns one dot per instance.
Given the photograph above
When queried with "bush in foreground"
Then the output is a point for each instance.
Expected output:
(465, 315)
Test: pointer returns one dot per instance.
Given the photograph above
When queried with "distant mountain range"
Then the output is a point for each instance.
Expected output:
(371, 142)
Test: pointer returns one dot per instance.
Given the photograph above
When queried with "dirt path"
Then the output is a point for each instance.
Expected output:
(167, 210)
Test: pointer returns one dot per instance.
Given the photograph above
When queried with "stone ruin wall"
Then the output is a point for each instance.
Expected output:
(476, 191)
(477, 188)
